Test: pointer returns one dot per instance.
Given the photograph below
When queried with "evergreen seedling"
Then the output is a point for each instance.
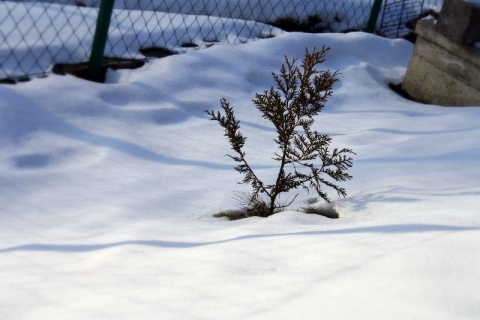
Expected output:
(304, 157)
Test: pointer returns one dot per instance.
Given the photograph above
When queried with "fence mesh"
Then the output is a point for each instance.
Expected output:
(397, 14)
(35, 35)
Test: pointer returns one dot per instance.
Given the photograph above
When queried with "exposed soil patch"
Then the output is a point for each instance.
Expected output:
(233, 215)
(327, 212)
(14, 81)
(156, 52)
(82, 70)
(189, 45)
(399, 90)
(313, 25)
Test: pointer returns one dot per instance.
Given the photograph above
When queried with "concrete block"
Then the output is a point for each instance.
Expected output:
(441, 71)
(459, 21)
(432, 85)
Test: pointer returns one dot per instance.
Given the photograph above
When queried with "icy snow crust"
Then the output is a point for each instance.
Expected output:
(107, 193)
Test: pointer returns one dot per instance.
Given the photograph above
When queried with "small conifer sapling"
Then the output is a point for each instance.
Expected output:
(304, 156)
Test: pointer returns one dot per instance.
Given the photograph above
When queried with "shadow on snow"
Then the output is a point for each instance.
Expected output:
(389, 229)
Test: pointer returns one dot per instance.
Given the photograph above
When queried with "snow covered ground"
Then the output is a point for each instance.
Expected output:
(34, 35)
(107, 193)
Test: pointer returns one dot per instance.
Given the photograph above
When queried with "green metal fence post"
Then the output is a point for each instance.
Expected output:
(100, 38)
(372, 21)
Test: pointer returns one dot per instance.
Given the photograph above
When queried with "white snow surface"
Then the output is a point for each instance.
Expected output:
(108, 190)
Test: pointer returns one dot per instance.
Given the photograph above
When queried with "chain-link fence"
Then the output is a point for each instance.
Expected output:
(35, 35)
(399, 16)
